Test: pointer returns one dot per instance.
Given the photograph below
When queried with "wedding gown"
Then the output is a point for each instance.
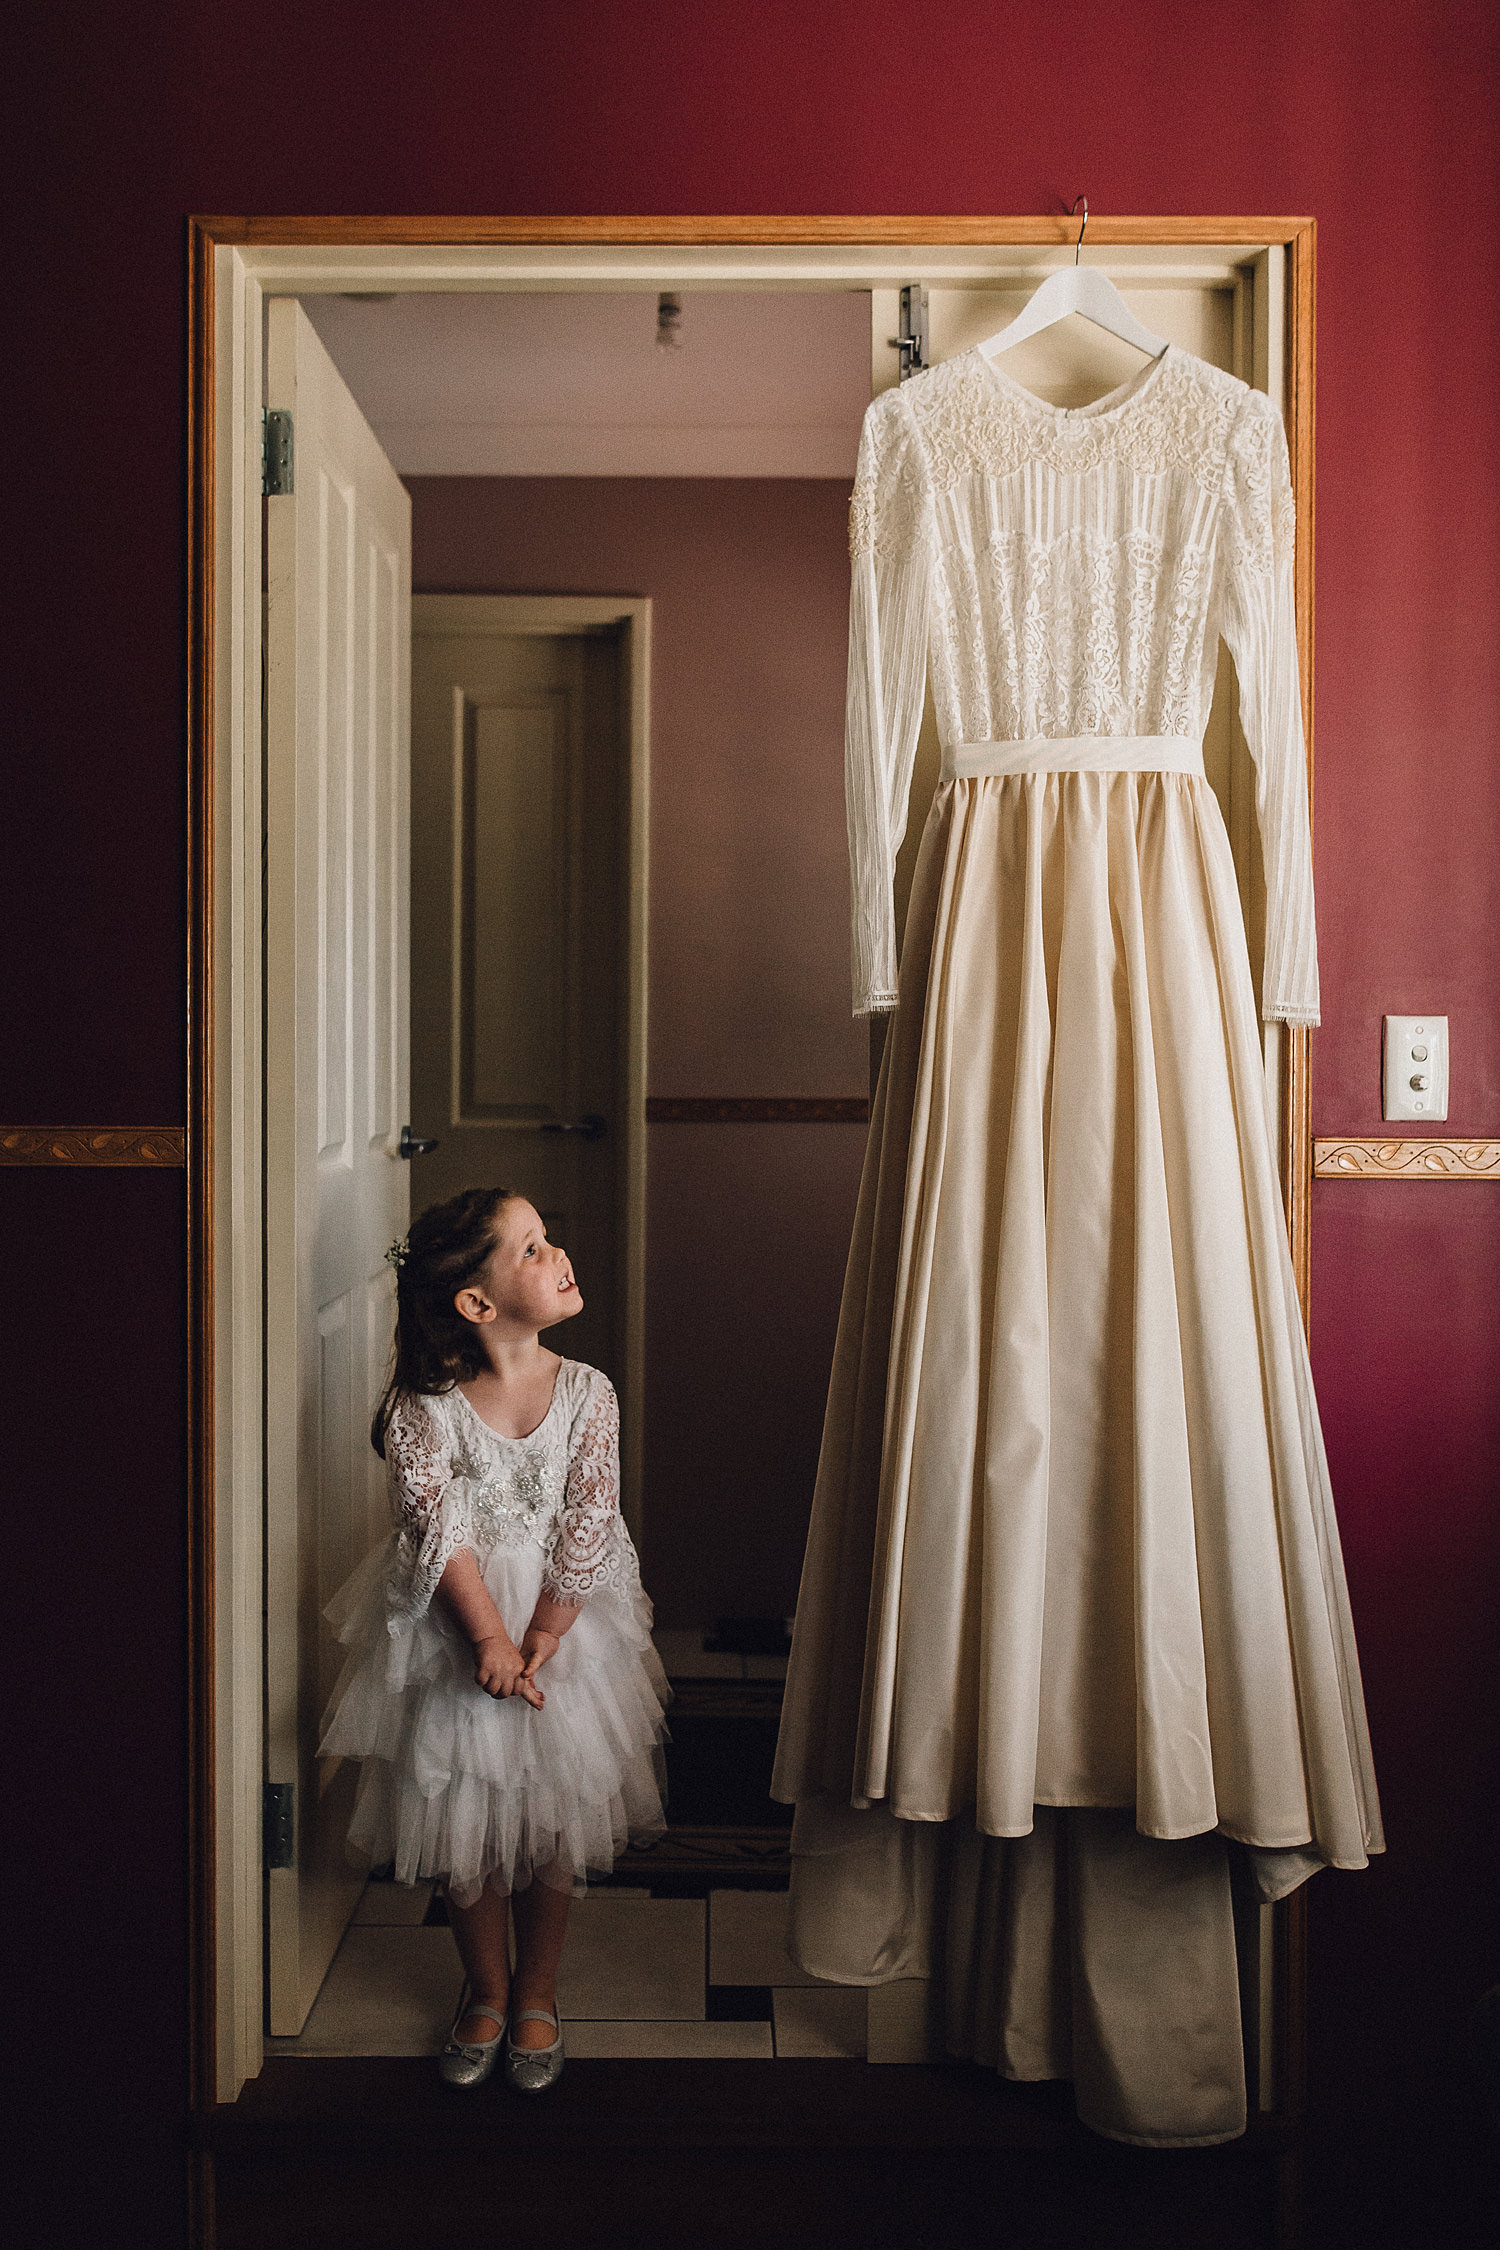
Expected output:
(1072, 1544)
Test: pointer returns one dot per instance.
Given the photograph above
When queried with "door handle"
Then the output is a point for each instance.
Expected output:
(411, 1144)
(590, 1128)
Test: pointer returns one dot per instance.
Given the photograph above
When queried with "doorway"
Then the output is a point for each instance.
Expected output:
(852, 263)
(515, 862)
(530, 762)
(522, 1015)
(518, 981)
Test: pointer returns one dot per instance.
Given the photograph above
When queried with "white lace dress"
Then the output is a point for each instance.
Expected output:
(1072, 1541)
(456, 1783)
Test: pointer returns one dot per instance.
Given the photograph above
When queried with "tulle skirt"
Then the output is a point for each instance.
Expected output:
(459, 1785)
(1073, 1542)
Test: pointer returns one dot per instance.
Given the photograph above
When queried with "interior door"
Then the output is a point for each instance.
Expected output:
(518, 804)
(338, 629)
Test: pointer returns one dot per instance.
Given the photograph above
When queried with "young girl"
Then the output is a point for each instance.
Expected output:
(502, 1689)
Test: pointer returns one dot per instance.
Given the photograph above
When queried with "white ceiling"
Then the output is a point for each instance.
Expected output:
(765, 383)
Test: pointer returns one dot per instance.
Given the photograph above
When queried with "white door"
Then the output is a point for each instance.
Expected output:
(519, 1007)
(338, 635)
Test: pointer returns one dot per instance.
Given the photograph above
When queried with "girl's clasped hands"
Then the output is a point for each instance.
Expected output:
(502, 1669)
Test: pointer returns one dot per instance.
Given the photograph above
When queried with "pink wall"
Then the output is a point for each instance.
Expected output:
(1377, 116)
(748, 1225)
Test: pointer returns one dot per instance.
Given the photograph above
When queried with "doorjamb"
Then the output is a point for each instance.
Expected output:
(233, 262)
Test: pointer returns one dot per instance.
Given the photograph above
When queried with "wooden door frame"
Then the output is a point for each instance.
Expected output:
(232, 263)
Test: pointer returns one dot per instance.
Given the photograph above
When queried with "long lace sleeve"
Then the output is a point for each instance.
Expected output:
(430, 1504)
(890, 590)
(586, 1550)
(1259, 621)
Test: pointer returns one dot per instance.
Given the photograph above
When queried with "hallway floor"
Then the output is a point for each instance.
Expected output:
(701, 1979)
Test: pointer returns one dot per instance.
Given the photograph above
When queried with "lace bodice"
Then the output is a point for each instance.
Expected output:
(1069, 573)
(454, 1482)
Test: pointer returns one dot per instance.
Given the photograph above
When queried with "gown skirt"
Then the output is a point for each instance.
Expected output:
(457, 1784)
(1073, 1542)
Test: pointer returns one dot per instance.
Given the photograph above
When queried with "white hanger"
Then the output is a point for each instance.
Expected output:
(1076, 289)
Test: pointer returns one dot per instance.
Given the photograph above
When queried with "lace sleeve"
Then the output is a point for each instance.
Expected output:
(1258, 619)
(890, 586)
(429, 1504)
(586, 1551)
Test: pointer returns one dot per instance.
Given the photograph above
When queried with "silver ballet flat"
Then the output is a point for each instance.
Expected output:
(531, 2070)
(468, 2062)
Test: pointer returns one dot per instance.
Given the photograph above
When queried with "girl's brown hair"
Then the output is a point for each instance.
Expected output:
(436, 1347)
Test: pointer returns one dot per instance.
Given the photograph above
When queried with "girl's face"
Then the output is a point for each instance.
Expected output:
(528, 1282)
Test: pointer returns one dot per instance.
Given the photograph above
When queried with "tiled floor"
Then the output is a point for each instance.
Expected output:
(746, 1940)
(696, 1978)
(387, 1993)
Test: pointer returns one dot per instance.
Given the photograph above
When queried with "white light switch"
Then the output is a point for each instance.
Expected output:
(1416, 1066)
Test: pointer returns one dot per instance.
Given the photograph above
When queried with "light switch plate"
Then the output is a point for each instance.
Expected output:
(1416, 1067)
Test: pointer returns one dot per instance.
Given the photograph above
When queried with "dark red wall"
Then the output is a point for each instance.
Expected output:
(747, 1225)
(1378, 117)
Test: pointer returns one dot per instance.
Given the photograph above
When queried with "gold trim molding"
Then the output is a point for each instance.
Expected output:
(1409, 1159)
(161, 1146)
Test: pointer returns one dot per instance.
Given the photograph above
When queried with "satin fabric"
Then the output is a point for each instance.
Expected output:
(1088, 1951)
(1073, 753)
(1083, 1950)
(1073, 1542)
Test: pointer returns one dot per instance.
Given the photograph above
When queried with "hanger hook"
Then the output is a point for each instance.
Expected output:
(1073, 214)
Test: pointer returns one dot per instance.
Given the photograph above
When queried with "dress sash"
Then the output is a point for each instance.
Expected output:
(1074, 753)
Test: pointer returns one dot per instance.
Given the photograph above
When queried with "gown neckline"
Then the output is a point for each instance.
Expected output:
(527, 1435)
(1105, 408)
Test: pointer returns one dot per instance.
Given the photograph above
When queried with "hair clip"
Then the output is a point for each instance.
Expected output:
(397, 1254)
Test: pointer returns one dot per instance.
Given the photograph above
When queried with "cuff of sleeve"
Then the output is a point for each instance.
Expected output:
(1299, 1017)
(876, 1004)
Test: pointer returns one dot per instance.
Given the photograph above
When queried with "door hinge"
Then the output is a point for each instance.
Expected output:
(912, 341)
(276, 452)
(279, 1824)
